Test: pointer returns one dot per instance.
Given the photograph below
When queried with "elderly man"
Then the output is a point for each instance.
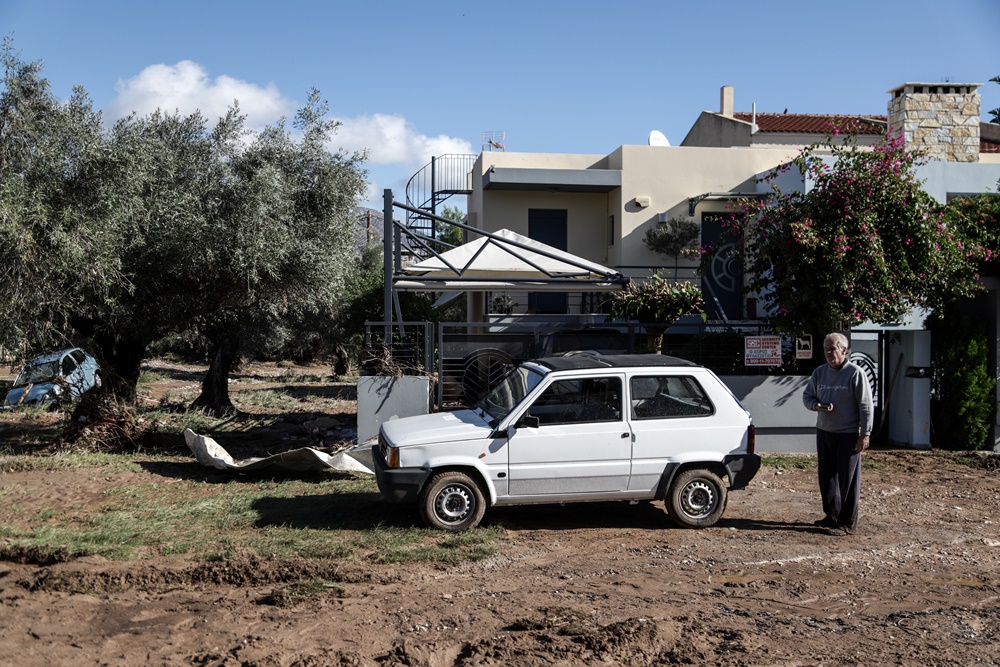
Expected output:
(839, 394)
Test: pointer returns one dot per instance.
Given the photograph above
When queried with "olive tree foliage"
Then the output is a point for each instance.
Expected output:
(58, 257)
(866, 242)
(674, 238)
(285, 241)
(657, 303)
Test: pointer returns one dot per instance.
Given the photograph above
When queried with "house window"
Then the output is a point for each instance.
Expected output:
(548, 226)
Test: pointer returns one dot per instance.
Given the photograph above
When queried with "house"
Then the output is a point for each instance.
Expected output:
(599, 207)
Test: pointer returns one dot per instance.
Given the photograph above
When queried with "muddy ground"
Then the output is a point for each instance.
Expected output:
(587, 584)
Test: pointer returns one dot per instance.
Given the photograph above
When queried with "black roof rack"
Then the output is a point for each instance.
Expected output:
(584, 361)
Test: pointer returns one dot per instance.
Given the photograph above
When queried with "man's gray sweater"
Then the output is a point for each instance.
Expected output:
(847, 388)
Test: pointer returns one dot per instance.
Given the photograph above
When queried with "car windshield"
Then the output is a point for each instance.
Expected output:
(34, 373)
(512, 389)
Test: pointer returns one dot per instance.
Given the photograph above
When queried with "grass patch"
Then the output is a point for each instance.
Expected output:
(182, 508)
(789, 461)
(148, 378)
(291, 377)
(265, 398)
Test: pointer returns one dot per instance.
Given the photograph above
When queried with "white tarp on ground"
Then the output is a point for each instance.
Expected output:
(492, 262)
(212, 454)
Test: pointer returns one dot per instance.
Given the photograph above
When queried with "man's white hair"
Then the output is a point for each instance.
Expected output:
(839, 339)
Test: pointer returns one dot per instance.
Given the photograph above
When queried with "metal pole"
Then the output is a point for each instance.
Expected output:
(433, 230)
(387, 262)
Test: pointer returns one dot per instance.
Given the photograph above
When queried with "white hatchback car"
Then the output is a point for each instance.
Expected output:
(575, 429)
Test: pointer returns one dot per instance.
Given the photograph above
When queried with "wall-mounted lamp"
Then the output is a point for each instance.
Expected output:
(642, 202)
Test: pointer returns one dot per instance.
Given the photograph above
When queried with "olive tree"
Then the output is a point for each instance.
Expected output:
(286, 235)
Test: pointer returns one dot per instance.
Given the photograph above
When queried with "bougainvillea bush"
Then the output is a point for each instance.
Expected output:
(864, 243)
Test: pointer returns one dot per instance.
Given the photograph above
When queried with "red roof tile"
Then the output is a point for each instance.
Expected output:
(799, 123)
(815, 123)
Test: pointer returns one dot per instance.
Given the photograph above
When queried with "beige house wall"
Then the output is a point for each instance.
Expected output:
(666, 176)
(669, 176)
(587, 213)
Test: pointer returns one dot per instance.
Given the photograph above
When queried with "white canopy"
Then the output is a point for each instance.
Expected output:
(506, 260)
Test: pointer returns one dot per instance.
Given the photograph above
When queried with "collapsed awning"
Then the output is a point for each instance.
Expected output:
(506, 260)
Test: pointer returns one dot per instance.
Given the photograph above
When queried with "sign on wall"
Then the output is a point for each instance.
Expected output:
(804, 347)
(762, 350)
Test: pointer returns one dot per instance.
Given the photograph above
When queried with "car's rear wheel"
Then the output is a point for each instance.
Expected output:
(452, 501)
(697, 498)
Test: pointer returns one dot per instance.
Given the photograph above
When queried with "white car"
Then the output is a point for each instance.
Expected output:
(574, 429)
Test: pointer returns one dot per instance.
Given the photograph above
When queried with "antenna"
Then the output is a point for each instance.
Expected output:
(657, 138)
(493, 140)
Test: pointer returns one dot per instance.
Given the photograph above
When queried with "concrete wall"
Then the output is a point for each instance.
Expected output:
(783, 423)
(384, 398)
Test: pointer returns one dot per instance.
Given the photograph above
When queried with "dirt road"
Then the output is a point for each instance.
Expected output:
(587, 584)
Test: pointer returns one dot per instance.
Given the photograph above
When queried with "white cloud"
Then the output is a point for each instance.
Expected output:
(396, 149)
(187, 87)
(391, 139)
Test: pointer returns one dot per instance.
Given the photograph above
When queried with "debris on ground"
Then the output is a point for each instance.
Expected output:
(212, 454)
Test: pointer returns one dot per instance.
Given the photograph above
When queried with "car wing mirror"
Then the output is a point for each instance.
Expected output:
(529, 421)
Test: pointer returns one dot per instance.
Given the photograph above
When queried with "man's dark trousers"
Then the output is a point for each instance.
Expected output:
(839, 477)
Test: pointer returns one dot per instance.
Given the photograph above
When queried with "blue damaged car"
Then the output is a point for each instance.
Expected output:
(55, 377)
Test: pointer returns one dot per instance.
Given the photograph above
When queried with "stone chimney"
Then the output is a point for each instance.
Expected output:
(941, 118)
(726, 101)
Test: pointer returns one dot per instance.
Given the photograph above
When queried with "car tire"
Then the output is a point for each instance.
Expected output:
(697, 498)
(97, 381)
(452, 501)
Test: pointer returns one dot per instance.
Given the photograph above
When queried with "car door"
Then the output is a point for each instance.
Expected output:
(582, 443)
(71, 374)
(670, 415)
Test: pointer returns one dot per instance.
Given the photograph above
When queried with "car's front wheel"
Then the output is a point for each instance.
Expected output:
(452, 501)
(697, 498)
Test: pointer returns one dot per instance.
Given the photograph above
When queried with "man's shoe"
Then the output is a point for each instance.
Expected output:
(825, 522)
(849, 530)
(836, 531)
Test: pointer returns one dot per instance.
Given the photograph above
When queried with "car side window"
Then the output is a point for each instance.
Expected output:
(579, 400)
(68, 365)
(78, 355)
(664, 396)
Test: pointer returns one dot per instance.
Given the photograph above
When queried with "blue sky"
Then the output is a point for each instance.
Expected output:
(414, 79)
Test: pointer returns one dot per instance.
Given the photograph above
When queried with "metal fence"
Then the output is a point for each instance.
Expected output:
(467, 358)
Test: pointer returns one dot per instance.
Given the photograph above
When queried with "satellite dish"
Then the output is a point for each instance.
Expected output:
(657, 138)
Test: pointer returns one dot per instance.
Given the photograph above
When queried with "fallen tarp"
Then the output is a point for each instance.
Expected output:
(212, 454)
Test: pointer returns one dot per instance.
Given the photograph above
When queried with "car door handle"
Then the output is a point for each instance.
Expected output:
(625, 435)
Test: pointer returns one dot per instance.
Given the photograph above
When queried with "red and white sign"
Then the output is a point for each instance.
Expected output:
(762, 350)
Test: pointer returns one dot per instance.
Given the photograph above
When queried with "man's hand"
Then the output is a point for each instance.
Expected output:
(862, 444)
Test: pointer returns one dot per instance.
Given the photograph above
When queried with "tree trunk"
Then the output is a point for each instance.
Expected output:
(214, 398)
(121, 357)
(342, 360)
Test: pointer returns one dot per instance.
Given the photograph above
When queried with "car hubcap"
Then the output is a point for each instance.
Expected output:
(453, 503)
(698, 499)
